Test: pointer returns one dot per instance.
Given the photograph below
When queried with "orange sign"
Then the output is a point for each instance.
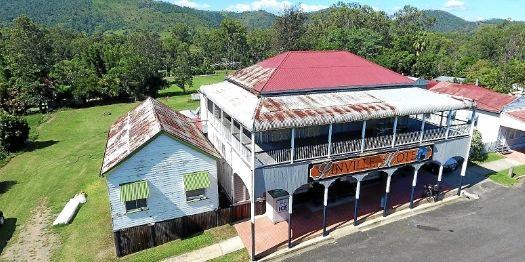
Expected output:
(371, 162)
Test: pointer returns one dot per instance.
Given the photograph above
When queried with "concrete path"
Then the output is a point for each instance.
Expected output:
(210, 252)
(501, 164)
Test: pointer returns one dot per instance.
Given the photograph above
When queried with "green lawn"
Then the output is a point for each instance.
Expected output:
(198, 81)
(178, 247)
(64, 160)
(503, 178)
(237, 256)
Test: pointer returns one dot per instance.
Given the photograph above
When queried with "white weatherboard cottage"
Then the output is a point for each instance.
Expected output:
(158, 166)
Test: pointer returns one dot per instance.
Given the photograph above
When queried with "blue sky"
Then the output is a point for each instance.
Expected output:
(472, 10)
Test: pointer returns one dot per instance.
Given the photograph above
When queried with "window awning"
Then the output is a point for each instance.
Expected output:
(197, 180)
(134, 191)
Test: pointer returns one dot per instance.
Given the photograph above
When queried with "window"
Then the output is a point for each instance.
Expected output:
(139, 204)
(134, 195)
(210, 107)
(197, 194)
(195, 185)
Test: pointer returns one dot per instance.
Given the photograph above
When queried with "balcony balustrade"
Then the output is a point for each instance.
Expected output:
(275, 153)
(305, 152)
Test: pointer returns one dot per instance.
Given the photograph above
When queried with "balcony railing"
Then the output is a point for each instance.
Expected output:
(280, 154)
(305, 152)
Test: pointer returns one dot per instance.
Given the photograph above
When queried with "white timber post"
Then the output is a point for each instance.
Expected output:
(231, 132)
(292, 142)
(422, 128)
(252, 196)
(241, 132)
(387, 191)
(449, 119)
(356, 201)
(414, 182)
(220, 126)
(213, 114)
(465, 160)
(394, 133)
(330, 140)
(290, 211)
(363, 133)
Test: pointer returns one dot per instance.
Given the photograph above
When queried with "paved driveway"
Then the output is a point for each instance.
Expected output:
(489, 229)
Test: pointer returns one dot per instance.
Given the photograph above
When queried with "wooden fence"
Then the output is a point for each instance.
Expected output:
(134, 239)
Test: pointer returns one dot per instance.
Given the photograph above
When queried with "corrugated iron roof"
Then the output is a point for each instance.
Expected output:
(315, 70)
(348, 106)
(486, 99)
(517, 114)
(234, 100)
(298, 110)
(143, 123)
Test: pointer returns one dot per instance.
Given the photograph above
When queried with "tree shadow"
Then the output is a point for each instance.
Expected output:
(6, 232)
(6, 185)
(36, 145)
(176, 93)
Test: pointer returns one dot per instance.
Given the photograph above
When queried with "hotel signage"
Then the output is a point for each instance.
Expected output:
(371, 162)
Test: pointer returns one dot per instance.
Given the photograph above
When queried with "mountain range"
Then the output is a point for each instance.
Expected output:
(121, 15)
(447, 22)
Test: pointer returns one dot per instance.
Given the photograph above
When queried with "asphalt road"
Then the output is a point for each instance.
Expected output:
(489, 229)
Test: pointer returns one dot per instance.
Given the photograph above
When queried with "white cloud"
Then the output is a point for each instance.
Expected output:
(274, 6)
(454, 4)
(189, 3)
(311, 8)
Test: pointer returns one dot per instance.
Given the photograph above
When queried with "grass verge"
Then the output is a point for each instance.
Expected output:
(178, 247)
(237, 256)
(503, 178)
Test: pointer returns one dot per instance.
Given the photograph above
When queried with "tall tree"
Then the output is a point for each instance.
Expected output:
(290, 29)
(27, 58)
(232, 35)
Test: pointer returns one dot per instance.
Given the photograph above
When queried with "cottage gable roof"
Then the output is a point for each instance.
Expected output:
(135, 129)
(296, 71)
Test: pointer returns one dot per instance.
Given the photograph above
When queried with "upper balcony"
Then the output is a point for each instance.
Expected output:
(308, 143)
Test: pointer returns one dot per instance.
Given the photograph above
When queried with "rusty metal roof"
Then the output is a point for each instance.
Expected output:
(234, 100)
(143, 123)
(485, 98)
(297, 71)
(310, 109)
(288, 111)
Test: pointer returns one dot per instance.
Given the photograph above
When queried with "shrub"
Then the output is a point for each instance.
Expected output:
(3, 155)
(14, 132)
(477, 149)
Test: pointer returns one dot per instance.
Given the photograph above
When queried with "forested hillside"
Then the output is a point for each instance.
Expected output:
(51, 66)
(447, 22)
(118, 15)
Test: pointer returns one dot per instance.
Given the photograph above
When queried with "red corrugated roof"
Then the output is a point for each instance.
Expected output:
(315, 70)
(143, 123)
(486, 99)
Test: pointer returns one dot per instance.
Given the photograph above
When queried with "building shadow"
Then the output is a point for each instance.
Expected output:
(6, 185)
(6, 232)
